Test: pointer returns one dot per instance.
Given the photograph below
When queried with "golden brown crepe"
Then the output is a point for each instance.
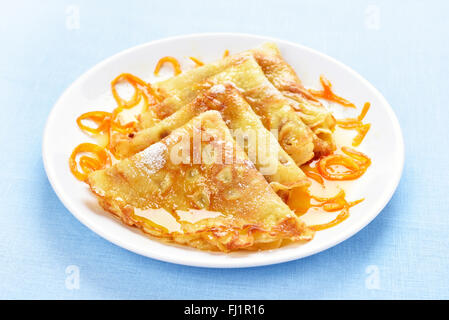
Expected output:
(284, 78)
(267, 102)
(258, 143)
(245, 211)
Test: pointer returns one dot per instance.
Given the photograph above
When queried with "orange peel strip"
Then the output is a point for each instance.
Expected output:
(354, 161)
(141, 88)
(339, 219)
(198, 62)
(328, 94)
(101, 118)
(333, 204)
(356, 124)
(312, 173)
(98, 159)
(168, 59)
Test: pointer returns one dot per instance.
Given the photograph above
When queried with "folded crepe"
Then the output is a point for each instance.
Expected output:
(259, 144)
(242, 210)
(274, 110)
(284, 78)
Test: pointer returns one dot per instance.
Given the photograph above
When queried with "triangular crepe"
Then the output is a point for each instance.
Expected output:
(243, 211)
(284, 78)
(258, 143)
(267, 102)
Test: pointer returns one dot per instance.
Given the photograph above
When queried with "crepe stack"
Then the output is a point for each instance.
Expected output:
(217, 157)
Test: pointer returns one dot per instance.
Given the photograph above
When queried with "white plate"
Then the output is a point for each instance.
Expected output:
(91, 91)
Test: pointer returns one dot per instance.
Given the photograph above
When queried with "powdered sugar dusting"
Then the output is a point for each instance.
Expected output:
(152, 159)
(218, 88)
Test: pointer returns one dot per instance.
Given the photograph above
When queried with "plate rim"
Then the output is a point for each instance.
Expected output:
(235, 263)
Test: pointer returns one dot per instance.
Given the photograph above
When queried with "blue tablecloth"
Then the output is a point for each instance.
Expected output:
(399, 46)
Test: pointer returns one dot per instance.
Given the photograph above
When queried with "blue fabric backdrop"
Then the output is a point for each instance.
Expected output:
(400, 46)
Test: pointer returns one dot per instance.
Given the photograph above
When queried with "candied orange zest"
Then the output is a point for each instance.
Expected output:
(198, 62)
(325, 167)
(109, 124)
(328, 94)
(365, 109)
(357, 124)
(101, 118)
(362, 158)
(142, 92)
(351, 122)
(141, 89)
(88, 163)
(118, 127)
(97, 159)
(340, 194)
(362, 131)
(354, 161)
(168, 59)
(332, 204)
(353, 203)
(122, 103)
(312, 173)
(342, 216)
(300, 201)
